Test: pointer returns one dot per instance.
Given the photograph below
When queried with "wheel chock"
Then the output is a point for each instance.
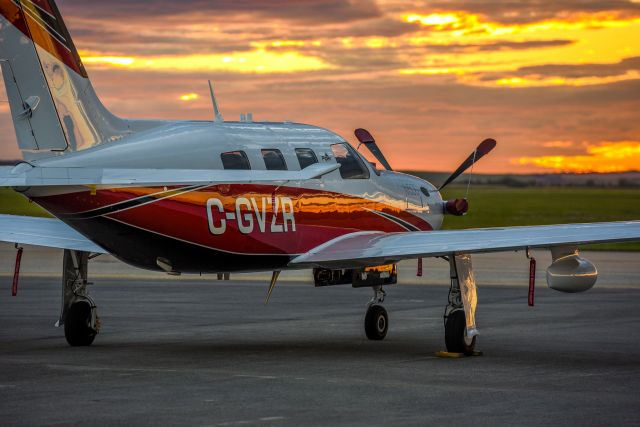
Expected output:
(450, 355)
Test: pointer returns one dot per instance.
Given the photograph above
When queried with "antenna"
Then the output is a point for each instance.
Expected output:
(217, 116)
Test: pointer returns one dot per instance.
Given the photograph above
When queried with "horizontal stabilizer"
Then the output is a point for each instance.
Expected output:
(24, 175)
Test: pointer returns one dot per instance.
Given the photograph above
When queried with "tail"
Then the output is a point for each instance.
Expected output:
(53, 104)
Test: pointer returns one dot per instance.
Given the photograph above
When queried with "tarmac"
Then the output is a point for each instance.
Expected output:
(196, 351)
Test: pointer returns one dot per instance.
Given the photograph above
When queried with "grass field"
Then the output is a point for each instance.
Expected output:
(491, 206)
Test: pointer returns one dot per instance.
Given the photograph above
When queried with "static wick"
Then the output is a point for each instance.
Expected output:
(16, 272)
(532, 279)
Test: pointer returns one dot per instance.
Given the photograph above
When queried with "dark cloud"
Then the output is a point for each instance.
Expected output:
(502, 45)
(363, 59)
(301, 11)
(108, 41)
(570, 70)
(531, 44)
(382, 27)
(387, 57)
(525, 11)
(584, 70)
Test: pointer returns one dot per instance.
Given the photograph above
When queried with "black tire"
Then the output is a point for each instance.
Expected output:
(376, 323)
(77, 329)
(454, 329)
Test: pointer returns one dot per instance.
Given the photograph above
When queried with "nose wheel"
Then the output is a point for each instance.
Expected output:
(376, 323)
(376, 320)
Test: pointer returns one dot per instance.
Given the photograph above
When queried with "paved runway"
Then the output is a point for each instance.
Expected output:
(198, 352)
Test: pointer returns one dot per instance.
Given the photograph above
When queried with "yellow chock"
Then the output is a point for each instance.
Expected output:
(449, 355)
(446, 354)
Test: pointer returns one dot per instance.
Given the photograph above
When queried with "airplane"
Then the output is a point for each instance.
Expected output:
(221, 197)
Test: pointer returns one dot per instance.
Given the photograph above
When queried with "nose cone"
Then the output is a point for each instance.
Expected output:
(457, 207)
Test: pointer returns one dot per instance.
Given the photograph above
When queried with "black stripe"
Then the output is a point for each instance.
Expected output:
(49, 22)
(398, 221)
(127, 204)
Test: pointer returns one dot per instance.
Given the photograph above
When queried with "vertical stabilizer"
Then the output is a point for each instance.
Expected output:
(53, 104)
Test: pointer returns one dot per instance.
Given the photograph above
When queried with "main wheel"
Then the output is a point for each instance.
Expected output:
(77, 325)
(376, 322)
(454, 334)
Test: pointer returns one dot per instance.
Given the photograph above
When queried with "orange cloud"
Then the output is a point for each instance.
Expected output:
(118, 61)
(580, 39)
(255, 61)
(619, 156)
(468, 23)
(537, 81)
(188, 97)
(557, 144)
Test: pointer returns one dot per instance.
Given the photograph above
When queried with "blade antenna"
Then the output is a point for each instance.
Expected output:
(272, 284)
(216, 112)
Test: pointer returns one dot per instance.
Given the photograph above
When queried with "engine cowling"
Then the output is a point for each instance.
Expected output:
(569, 272)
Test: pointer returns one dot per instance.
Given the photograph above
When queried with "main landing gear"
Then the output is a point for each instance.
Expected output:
(376, 321)
(78, 313)
(460, 330)
(459, 318)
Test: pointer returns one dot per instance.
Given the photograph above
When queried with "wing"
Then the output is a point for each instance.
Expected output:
(44, 232)
(24, 175)
(375, 248)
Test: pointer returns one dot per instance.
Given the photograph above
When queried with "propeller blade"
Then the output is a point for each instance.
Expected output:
(483, 149)
(365, 138)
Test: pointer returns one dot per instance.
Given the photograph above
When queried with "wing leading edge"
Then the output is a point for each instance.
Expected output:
(374, 248)
(44, 232)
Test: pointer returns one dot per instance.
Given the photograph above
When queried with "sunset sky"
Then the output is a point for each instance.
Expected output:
(556, 83)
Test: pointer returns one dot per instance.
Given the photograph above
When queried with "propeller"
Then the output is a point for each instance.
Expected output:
(365, 138)
(483, 149)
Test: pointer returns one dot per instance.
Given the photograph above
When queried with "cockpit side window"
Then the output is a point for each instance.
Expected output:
(351, 166)
(306, 157)
(235, 160)
(273, 160)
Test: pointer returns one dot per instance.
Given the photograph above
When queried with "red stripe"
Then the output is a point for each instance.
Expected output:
(319, 215)
(13, 14)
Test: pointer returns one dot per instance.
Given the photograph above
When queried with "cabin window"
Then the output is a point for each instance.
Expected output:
(351, 166)
(235, 160)
(273, 160)
(306, 157)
